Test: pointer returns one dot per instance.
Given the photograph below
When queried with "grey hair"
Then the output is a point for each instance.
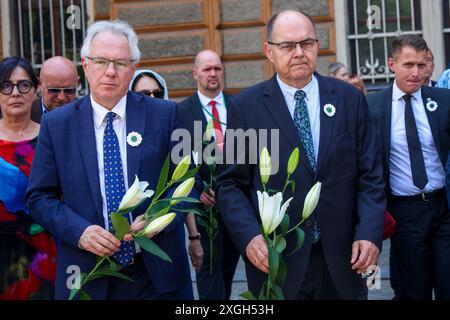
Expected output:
(115, 27)
(334, 68)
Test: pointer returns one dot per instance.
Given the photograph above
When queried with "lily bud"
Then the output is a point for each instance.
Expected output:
(311, 200)
(195, 157)
(183, 190)
(265, 165)
(293, 161)
(181, 168)
(135, 195)
(209, 131)
(159, 224)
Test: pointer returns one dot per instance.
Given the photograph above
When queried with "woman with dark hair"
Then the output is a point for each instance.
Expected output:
(27, 252)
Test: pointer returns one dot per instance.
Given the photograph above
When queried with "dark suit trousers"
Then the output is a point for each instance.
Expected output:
(217, 285)
(143, 289)
(317, 284)
(420, 248)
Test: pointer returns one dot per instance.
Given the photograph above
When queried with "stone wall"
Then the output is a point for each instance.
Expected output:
(171, 32)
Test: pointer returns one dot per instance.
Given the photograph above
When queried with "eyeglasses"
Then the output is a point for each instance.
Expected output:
(67, 91)
(158, 93)
(288, 46)
(24, 86)
(102, 63)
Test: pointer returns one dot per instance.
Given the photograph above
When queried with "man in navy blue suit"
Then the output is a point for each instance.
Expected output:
(327, 119)
(84, 162)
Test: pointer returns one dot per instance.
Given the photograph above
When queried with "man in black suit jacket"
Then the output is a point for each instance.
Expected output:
(344, 234)
(208, 72)
(413, 124)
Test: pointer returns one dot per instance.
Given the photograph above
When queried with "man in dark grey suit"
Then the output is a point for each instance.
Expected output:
(327, 120)
(413, 124)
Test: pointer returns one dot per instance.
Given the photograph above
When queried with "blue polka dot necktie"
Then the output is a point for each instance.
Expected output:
(301, 121)
(115, 186)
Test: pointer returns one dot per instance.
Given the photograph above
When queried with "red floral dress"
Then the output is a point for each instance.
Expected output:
(27, 252)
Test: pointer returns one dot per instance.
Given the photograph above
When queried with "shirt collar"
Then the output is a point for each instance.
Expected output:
(398, 94)
(289, 91)
(204, 100)
(100, 112)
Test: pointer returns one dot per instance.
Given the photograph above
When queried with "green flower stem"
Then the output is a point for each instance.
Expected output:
(266, 237)
(297, 225)
(156, 198)
(99, 263)
(286, 183)
(211, 242)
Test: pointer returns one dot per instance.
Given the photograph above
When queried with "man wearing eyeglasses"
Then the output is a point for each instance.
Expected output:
(85, 161)
(326, 119)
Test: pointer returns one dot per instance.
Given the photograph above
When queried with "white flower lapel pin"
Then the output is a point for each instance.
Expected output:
(329, 110)
(134, 139)
(431, 105)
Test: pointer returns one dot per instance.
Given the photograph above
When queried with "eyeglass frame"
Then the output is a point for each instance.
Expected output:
(17, 86)
(64, 90)
(152, 93)
(114, 61)
(295, 42)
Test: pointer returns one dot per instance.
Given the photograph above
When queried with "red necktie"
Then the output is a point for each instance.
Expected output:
(217, 126)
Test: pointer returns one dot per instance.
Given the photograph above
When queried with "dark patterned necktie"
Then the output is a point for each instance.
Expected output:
(115, 186)
(418, 171)
(301, 121)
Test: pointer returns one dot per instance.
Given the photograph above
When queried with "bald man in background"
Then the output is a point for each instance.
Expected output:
(59, 80)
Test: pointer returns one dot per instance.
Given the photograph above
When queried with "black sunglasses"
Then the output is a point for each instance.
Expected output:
(70, 90)
(158, 93)
(24, 86)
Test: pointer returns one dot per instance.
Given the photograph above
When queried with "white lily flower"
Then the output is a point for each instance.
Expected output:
(311, 200)
(183, 190)
(135, 195)
(271, 211)
(159, 224)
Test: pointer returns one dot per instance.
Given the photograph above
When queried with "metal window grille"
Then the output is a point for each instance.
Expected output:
(371, 33)
(50, 27)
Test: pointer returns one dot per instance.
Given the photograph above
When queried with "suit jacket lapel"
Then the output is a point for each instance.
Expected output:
(327, 96)
(433, 118)
(135, 122)
(88, 149)
(197, 111)
(276, 105)
(386, 115)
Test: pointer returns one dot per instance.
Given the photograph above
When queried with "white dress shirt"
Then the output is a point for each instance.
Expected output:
(221, 109)
(313, 103)
(399, 163)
